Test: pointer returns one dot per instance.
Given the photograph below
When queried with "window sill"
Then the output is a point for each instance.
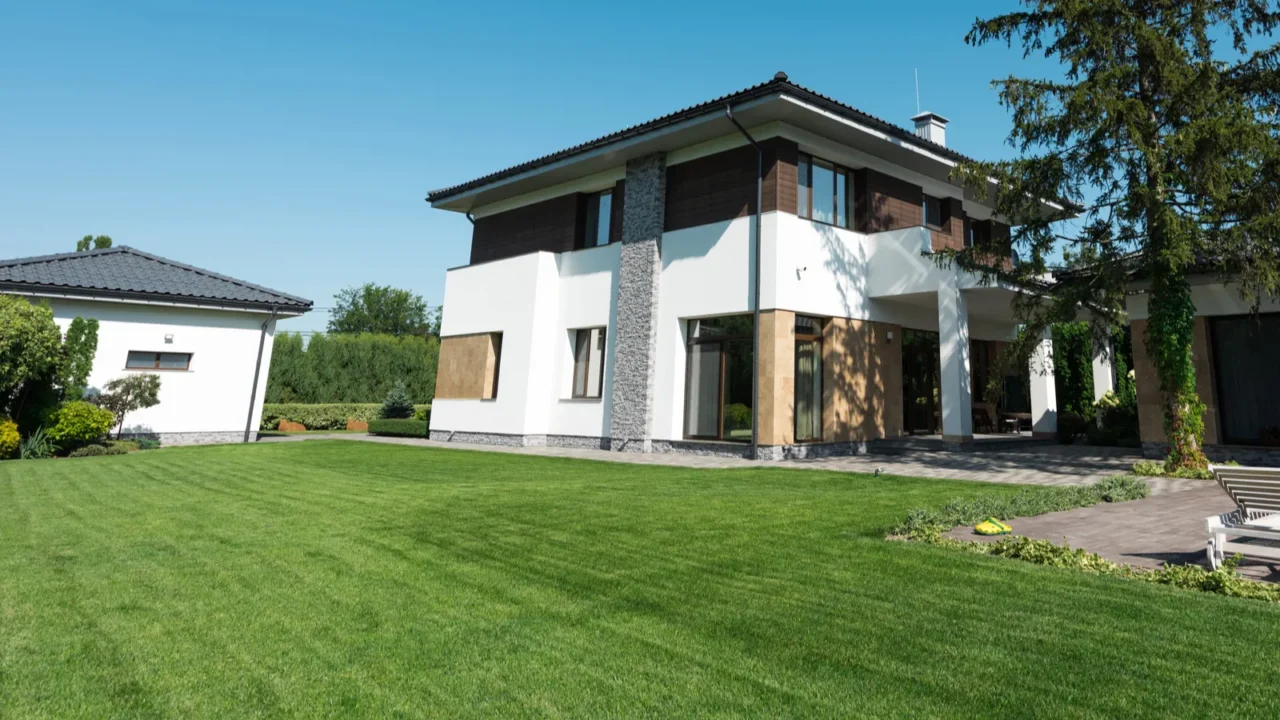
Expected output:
(581, 399)
(163, 370)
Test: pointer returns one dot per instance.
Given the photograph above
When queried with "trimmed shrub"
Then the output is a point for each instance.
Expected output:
(126, 445)
(422, 412)
(78, 422)
(923, 523)
(322, 416)
(397, 405)
(403, 427)
(1071, 426)
(737, 416)
(96, 450)
(9, 438)
(148, 443)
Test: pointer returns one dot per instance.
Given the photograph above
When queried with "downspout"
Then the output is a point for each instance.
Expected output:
(257, 370)
(755, 281)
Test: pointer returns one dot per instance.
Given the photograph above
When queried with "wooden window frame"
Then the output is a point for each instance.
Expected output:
(806, 161)
(496, 339)
(795, 402)
(155, 367)
(586, 373)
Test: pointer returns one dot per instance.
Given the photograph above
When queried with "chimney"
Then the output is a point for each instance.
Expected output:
(931, 127)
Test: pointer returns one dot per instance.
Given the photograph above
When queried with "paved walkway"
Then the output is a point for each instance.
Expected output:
(1034, 465)
(1167, 528)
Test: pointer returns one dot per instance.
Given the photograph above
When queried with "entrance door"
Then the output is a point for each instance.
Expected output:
(921, 393)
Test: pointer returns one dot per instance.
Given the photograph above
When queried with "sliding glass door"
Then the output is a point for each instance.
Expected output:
(1244, 353)
(718, 398)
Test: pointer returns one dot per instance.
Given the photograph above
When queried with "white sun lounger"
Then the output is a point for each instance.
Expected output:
(1256, 519)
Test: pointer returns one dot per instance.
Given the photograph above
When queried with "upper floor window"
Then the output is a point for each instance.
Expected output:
(979, 234)
(599, 212)
(822, 191)
(932, 211)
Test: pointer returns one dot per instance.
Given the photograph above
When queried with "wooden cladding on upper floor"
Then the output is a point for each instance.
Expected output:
(555, 225)
(722, 187)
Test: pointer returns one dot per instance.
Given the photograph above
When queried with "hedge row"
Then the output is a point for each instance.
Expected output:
(399, 428)
(325, 416)
(350, 368)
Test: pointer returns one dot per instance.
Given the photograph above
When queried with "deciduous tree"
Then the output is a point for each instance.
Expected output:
(380, 309)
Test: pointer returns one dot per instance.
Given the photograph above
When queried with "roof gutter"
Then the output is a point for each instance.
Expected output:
(755, 287)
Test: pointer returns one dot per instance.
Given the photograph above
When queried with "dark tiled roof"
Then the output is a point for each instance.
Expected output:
(779, 84)
(128, 273)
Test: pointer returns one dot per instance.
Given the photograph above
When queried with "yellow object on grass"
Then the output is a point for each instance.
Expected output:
(992, 526)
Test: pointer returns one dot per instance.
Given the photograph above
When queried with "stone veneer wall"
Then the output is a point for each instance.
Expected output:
(631, 422)
(174, 439)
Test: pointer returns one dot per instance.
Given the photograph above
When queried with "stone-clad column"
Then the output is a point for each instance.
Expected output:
(636, 337)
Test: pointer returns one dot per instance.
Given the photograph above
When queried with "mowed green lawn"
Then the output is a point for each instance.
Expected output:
(348, 579)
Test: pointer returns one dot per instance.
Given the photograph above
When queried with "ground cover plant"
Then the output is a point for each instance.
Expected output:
(347, 579)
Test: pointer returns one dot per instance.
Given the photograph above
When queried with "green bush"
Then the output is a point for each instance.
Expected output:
(126, 445)
(322, 416)
(422, 412)
(397, 405)
(1071, 426)
(9, 438)
(147, 443)
(399, 427)
(922, 523)
(737, 417)
(78, 422)
(1223, 581)
(96, 450)
(37, 446)
(1153, 468)
(351, 368)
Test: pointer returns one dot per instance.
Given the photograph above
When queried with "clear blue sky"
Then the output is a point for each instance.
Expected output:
(292, 143)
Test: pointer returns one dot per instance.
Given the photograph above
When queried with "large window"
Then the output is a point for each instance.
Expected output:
(718, 398)
(822, 191)
(808, 400)
(599, 211)
(588, 362)
(143, 360)
(1245, 349)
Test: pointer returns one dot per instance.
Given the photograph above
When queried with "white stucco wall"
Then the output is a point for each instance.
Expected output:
(213, 395)
(534, 301)
(1211, 298)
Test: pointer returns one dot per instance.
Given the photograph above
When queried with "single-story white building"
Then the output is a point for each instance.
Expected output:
(206, 335)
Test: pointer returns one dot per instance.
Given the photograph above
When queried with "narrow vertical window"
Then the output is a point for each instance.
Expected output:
(842, 198)
(599, 212)
(588, 362)
(808, 379)
(803, 184)
(824, 192)
(932, 211)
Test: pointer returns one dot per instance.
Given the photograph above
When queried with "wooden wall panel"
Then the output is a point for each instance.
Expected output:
(883, 202)
(777, 377)
(862, 381)
(466, 366)
(552, 226)
(711, 189)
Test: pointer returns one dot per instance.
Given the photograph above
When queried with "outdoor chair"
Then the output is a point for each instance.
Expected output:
(1253, 528)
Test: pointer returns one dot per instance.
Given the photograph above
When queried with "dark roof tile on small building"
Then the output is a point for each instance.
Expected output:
(126, 273)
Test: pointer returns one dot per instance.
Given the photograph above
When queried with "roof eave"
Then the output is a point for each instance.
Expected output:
(100, 295)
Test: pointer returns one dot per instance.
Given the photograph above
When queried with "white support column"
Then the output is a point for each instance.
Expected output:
(1044, 395)
(1104, 373)
(953, 344)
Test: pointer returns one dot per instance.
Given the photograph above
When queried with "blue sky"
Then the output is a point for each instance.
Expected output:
(291, 144)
